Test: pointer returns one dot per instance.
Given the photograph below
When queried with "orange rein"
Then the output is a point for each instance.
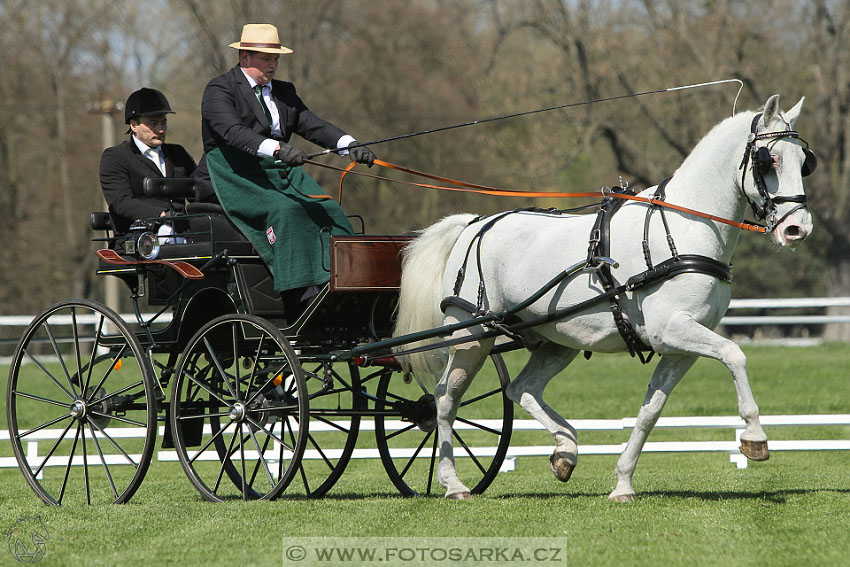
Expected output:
(500, 192)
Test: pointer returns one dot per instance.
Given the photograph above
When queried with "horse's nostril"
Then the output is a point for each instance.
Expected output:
(793, 232)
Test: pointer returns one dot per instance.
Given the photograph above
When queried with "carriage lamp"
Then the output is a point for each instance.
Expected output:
(143, 240)
(147, 246)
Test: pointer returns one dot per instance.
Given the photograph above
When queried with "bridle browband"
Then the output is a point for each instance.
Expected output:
(762, 162)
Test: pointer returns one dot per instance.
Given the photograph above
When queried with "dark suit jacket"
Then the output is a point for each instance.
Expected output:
(123, 169)
(231, 115)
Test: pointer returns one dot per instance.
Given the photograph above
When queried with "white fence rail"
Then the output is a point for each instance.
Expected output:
(731, 446)
(778, 303)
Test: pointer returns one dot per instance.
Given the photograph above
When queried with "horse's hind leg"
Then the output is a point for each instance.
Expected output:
(667, 374)
(465, 361)
(527, 391)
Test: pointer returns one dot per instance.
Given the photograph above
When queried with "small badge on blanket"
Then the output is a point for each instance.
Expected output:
(270, 235)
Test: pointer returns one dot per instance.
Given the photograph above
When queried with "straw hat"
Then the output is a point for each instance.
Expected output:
(260, 37)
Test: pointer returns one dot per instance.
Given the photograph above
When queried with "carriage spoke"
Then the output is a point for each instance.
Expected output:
(206, 388)
(43, 425)
(85, 464)
(212, 439)
(39, 399)
(316, 414)
(119, 418)
(97, 336)
(49, 375)
(497, 391)
(431, 466)
(114, 444)
(235, 359)
(224, 462)
(220, 368)
(469, 451)
(103, 461)
(111, 367)
(68, 466)
(416, 454)
(400, 431)
(60, 358)
(117, 392)
(479, 426)
(77, 351)
(261, 453)
(52, 449)
(267, 432)
(242, 462)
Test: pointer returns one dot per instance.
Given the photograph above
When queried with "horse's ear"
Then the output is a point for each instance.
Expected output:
(793, 114)
(771, 109)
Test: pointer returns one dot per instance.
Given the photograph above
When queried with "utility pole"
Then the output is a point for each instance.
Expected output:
(107, 110)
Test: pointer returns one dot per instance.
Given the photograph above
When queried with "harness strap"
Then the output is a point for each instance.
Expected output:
(600, 246)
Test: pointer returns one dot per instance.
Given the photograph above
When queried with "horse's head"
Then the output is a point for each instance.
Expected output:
(777, 159)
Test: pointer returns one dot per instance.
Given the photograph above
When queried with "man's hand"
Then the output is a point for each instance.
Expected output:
(362, 154)
(290, 155)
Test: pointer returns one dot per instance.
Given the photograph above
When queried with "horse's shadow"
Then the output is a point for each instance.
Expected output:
(770, 496)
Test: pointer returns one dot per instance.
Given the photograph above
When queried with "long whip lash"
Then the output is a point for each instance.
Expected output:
(537, 111)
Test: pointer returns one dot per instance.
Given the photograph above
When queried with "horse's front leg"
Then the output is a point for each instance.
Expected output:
(667, 374)
(464, 361)
(686, 334)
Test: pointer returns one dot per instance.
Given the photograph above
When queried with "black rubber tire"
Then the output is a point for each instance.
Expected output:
(416, 474)
(265, 421)
(95, 382)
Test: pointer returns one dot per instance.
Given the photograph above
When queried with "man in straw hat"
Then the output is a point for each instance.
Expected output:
(248, 109)
(124, 167)
(247, 117)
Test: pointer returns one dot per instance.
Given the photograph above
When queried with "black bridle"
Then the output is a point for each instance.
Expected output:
(762, 164)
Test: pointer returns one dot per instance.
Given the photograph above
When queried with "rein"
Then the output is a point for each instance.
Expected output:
(466, 187)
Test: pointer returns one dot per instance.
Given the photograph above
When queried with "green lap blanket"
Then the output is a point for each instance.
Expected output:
(272, 205)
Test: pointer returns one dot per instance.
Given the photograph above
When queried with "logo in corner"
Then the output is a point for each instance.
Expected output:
(27, 540)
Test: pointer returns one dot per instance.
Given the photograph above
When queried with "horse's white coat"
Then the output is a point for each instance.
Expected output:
(675, 317)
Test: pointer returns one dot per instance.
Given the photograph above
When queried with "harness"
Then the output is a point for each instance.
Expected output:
(599, 248)
(762, 163)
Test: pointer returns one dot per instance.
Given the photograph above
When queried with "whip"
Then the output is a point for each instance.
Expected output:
(537, 111)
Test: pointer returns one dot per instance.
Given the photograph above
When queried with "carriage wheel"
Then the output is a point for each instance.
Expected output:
(336, 405)
(482, 431)
(238, 410)
(80, 405)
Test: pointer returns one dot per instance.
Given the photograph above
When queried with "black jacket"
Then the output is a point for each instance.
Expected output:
(123, 169)
(231, 115)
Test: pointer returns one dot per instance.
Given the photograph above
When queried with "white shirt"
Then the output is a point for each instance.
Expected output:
(153, 154)
(269, 146)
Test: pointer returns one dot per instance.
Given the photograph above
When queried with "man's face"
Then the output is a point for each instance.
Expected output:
(150, 130)
(259, 66)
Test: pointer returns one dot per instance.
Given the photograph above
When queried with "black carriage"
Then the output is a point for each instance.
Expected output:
(253, 404)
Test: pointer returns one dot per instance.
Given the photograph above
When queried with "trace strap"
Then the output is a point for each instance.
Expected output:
(463, 186)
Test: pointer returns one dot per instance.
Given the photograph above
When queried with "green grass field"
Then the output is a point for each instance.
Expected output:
(692, 509)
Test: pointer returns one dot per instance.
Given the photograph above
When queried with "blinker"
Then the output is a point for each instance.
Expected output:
(810, 164)
(764, 161)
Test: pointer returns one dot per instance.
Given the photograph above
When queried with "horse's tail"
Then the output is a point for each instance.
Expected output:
(423, 264)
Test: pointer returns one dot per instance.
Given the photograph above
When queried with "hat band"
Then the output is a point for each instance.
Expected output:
(252, 44)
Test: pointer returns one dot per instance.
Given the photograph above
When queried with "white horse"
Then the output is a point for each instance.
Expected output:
(675, 317)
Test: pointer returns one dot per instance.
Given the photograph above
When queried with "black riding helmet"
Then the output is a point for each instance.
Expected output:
(145, 102)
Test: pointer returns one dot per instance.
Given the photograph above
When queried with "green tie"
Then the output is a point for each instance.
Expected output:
(259, 90)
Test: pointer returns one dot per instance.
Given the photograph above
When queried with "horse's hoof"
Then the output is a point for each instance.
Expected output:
(621, 498)
(755, 450)
(562, 468)
(459, 496)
